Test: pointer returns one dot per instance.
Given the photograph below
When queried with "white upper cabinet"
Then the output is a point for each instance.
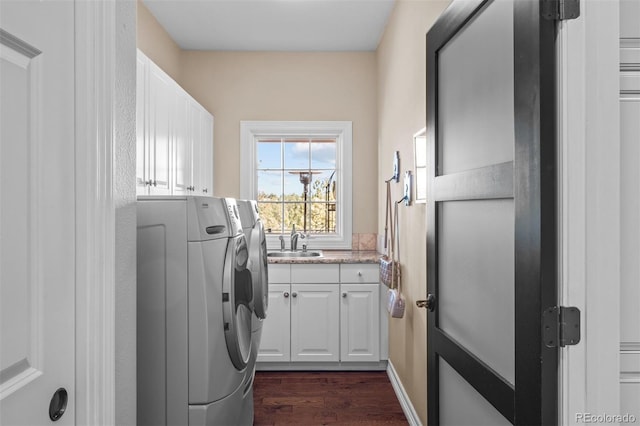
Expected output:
(174, 136)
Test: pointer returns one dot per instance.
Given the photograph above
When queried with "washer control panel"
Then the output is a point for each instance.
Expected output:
(234, 216)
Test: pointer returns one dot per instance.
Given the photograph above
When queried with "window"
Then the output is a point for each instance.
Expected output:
(300, 173)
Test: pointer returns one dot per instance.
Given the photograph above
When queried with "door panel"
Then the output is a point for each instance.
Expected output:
(195, 135)
(491, 212)
(475, 92)
(142, 126)
(315, 322)
(206, 156)
(182, 147)
(473, 235)
(359, 326)
(37, 210)
(161, 100)
(275, 343)
(461, 404)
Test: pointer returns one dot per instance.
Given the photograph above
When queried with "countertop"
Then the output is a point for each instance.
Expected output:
(333, 256)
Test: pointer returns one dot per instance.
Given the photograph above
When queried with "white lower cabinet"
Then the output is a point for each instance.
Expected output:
(322, 313)
(275, 342)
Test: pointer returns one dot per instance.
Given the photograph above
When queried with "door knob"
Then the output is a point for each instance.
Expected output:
(58, 404)
(286, 294)
(429, 303)
(294, 294)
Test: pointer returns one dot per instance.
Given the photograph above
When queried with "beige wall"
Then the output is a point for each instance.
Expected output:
(237, 86)
(401, 60)
(156, 43)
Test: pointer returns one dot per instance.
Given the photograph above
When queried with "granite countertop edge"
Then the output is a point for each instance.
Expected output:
(332, 256)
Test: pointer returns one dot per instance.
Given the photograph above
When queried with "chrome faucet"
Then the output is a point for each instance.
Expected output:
(294, 238)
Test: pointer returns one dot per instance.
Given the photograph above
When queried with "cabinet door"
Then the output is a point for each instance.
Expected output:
(315, 322)
(195, 137)
(182, 147)
(142, 127)
(206, 154)
(360, 322)
(161, 99)
(275, 342)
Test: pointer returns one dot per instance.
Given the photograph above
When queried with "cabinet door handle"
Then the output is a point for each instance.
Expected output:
(344, 295)
(359, 273)
(286, 294)
(204, 190)
(294, 294)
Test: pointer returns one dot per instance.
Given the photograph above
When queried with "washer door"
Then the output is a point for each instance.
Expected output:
(259, 270)
(237, 297)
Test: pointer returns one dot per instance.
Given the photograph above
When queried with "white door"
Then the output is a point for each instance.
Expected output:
(629, 208)
(37, 212)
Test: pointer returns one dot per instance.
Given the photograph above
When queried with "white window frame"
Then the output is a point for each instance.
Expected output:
(250, 131)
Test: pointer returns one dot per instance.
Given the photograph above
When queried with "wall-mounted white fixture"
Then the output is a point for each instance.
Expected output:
(396, 166)
(407, 188)
(420, 159)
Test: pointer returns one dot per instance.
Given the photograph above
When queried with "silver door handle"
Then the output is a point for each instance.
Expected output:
(429, 303)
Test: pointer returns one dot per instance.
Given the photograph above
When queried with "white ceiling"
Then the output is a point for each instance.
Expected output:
(273, 25)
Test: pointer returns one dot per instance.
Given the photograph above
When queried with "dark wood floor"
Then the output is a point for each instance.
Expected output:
(325, 398)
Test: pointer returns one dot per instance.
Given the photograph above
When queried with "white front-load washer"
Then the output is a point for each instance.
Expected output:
(195, 299)
(256, 240)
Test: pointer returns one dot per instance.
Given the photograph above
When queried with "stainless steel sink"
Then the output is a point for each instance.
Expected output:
(298, 253)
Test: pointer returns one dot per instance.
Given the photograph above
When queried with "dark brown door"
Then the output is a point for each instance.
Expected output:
(492, 214)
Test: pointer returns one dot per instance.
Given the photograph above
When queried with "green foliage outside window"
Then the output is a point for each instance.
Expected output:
(320, 207)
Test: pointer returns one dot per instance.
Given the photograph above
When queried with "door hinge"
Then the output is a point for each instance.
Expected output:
(560, 10)
(561, 326)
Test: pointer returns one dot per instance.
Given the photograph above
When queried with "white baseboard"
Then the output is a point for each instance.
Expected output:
(407, 407)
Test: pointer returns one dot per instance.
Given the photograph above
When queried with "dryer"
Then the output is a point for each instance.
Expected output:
(254, 231)
(195, 301)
